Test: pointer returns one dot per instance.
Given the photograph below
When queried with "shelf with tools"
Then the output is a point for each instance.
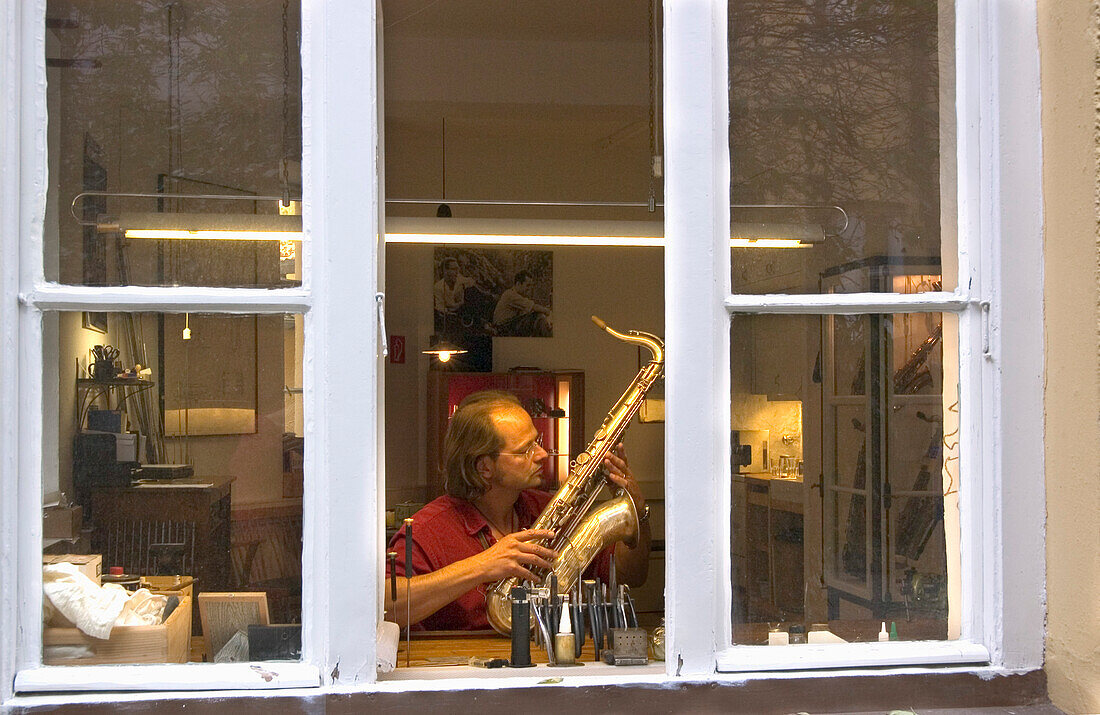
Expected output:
(89, 390)
(103, 451)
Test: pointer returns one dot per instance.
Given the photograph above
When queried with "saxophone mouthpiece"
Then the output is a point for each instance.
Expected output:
(599, 323)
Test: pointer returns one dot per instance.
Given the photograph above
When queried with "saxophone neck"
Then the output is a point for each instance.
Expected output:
(650, 341)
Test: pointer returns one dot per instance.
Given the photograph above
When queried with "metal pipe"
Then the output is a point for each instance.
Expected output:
(613, 204)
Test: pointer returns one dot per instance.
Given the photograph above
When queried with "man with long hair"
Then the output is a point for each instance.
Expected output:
(479, 532)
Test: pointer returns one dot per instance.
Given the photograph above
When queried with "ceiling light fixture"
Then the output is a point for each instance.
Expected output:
(442, 348)
(197, 226)
(571, 232)
(526, 232)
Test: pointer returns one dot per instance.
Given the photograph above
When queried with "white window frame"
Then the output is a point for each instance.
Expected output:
(1000, 214)
(341, 607)
(1000, 368)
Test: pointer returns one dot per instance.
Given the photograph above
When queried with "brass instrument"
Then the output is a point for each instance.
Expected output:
(579, 535)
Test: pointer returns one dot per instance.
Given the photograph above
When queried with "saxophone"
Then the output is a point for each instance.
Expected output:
(580, 535)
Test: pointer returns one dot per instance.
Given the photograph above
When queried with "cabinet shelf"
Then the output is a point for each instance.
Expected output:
(88, 390)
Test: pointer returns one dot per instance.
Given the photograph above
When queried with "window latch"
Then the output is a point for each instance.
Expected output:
(380, 303)
(987, 350)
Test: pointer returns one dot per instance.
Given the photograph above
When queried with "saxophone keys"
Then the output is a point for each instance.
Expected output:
(583, 457)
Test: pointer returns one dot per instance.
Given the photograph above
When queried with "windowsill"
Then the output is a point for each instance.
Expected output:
(970, 685)
(588, 674)
(168, 677)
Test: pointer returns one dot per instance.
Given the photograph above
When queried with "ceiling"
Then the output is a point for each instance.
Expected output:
(517, 101)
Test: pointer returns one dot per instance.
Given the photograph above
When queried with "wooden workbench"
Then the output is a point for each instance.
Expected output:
(450, 648)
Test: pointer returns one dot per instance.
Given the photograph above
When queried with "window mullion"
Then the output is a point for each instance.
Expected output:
(697, 279)
(850, 303)
(22, 196)
(341, 581)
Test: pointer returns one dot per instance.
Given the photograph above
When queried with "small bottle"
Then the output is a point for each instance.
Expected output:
(893, 630)
(797, 633)
(565, 642)
(883, 636)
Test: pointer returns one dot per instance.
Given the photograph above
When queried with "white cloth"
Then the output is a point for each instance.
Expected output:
(72, 599)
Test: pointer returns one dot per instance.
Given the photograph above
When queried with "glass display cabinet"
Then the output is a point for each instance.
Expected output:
(883, 483)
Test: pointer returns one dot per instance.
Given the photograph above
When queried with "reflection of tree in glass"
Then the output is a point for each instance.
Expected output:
(222, 65)
(835, 101)
(189, 88)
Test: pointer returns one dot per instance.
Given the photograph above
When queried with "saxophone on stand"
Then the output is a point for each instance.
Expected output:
(581, 533)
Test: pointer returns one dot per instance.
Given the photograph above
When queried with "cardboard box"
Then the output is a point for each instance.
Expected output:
(91, 565)
(170, 642)
(62, 522)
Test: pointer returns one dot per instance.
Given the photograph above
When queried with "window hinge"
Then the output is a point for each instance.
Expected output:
(380, 302)
(987, 350)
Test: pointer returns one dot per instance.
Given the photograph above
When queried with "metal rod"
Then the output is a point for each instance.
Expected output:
(610, 204)
(408, 590)
(457, 202)
(159, 197)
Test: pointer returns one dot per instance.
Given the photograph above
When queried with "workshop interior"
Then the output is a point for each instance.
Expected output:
(523, 189)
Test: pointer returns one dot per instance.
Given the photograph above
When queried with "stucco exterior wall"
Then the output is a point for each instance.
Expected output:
(1068, 39)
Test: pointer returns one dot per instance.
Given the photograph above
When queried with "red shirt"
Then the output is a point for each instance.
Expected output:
(449, 529)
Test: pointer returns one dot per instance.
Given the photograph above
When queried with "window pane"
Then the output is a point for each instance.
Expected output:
(845, 485)
(846, 104)
(173, 463)
(195, 98)
(548, 105)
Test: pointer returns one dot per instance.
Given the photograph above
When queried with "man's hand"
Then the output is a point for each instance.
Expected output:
(514, 555)
(631, 563)
(619, 474)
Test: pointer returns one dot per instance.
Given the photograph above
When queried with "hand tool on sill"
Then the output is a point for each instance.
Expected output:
(578, 618)
(589, 589)
(601, 612)
(541, 611)
(607, 612)
(593, 619)
(620, 607)
(612, 592)
(408, 588)
(632, 619)
(392, 556)
(554, 605)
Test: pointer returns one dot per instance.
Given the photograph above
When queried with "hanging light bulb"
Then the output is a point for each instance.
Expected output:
(442, 348)
(186, 326)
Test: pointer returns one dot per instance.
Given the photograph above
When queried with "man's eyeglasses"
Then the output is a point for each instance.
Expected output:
(528, 453)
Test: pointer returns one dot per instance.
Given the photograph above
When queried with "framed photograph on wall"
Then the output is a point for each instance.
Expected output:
(493, 291)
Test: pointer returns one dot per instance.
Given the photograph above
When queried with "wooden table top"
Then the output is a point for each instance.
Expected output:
(450, 648)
